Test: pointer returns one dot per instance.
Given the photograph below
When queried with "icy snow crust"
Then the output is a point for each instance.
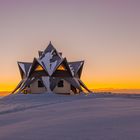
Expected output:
(78, 117)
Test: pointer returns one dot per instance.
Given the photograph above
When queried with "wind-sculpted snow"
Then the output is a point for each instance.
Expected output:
(20, 102)
(78, 117)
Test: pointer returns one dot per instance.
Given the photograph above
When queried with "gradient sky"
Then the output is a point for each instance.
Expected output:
(104, 33)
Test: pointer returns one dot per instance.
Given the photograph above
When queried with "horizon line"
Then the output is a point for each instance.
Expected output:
(92, 89)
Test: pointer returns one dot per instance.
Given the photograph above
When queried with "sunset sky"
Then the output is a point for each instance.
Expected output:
(104, 33)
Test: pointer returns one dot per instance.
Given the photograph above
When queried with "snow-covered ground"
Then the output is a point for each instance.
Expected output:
(59, 117)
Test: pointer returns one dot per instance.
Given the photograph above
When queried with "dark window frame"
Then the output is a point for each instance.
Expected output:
(60, 84)
(40, 84)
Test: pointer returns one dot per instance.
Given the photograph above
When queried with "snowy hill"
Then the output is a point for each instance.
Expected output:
(59, 117)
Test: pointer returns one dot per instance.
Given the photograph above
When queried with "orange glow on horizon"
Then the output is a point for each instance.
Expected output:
(91, 85)
(93, 80)
(8, 87)
(107, 85)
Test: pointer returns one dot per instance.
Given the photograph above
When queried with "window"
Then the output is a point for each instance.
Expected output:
(62, 68)
(40, 84)
(61, 83)
(38, 68)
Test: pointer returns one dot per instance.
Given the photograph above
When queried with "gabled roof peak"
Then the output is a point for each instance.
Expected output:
(50, 48)
(76, 66)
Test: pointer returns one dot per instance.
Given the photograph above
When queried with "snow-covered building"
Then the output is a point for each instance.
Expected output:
(51, 73)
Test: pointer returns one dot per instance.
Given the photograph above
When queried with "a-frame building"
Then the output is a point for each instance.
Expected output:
(51, 73)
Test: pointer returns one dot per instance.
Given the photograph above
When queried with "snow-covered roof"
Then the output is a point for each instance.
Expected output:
(50, 63)
(24, 67)
(76, 66)
(50, 59)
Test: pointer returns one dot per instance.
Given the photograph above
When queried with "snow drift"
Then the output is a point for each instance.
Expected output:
(58, 117)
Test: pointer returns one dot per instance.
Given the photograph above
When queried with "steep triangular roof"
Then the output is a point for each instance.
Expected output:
(50, 49)
(50, 59)
(24, 68)
(37, 63)
(76, 67)
(62, 69)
